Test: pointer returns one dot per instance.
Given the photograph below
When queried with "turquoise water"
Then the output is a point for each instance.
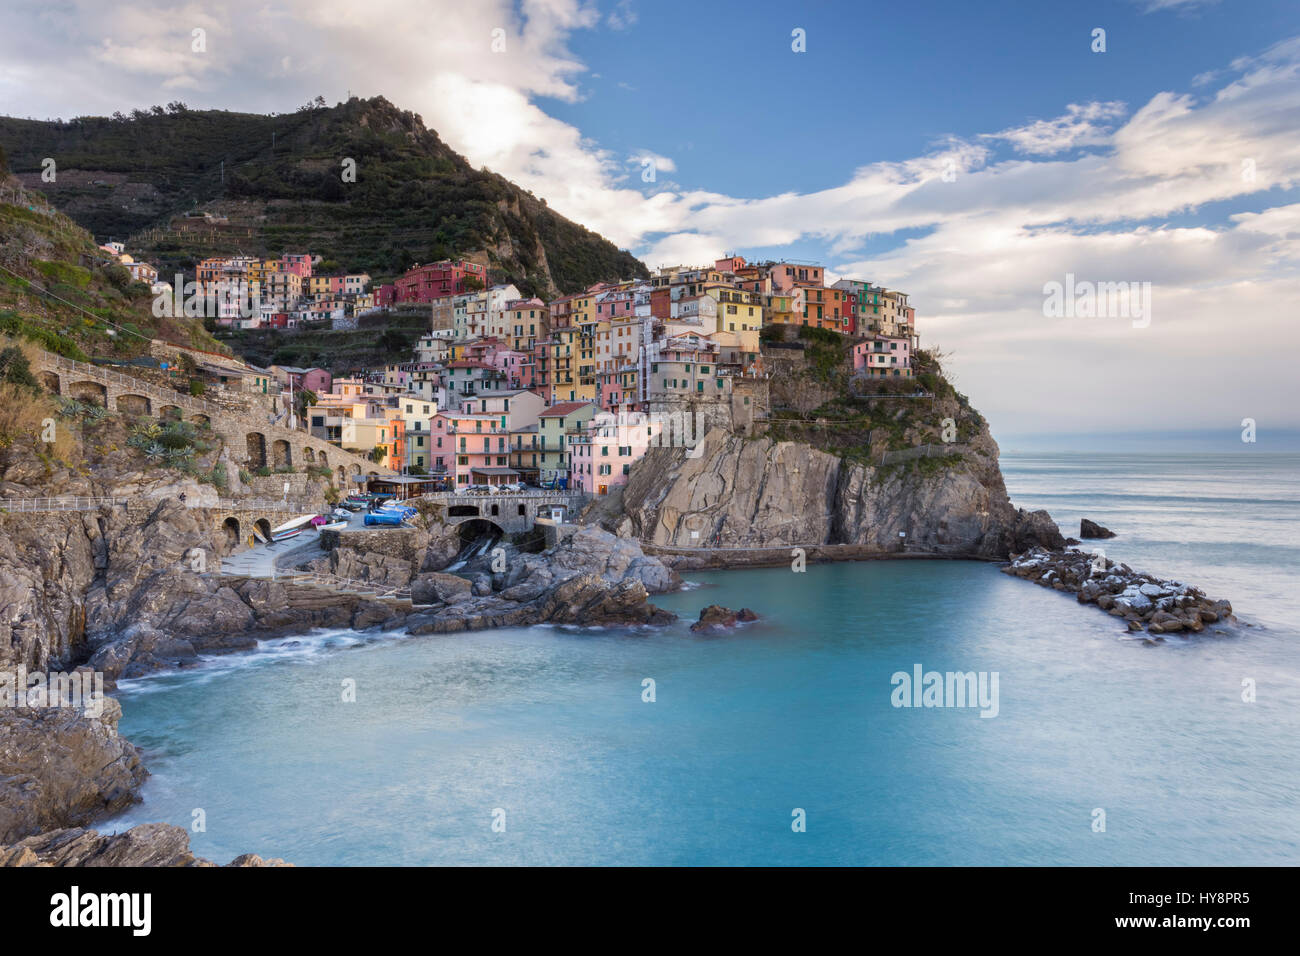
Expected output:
(549, 725)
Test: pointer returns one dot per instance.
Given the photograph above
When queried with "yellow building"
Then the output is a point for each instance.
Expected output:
(738, 310)
(565, 350)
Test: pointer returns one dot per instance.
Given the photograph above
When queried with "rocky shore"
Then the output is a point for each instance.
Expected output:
(149, 844)
(1143, 601)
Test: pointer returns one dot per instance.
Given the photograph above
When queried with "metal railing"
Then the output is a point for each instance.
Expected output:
(59, 504)
(260, 504)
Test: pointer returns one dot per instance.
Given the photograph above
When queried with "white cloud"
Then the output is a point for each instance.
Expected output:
(1080, 126)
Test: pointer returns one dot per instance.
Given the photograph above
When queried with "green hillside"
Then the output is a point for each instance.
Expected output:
(278, 181)
(59, 290)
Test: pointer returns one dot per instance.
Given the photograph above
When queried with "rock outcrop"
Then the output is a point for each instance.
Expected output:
(715, 617)
(593, 578)
(1090, 529)
(149, 844)
(752, 493)
(60, 768)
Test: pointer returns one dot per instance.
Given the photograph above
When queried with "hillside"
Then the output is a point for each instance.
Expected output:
(57, 288)
(281, 189)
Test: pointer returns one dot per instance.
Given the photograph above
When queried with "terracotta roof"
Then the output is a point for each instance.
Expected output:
(562, 409)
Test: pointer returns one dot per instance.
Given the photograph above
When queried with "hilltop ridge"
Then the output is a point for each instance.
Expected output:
(275, 183)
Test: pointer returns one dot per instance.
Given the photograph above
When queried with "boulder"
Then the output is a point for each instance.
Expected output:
(716, 617)
(1090, 529)
(436, 588)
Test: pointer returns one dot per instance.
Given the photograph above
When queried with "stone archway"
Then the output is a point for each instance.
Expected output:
(263, 527)
(90, 392)
(343, 476)
(200, 419)
(309, 454)
(256, 444)
(171, 413)
(356, 469)
(231, 529)
(130, 404)
(51, 382)
(281, 454)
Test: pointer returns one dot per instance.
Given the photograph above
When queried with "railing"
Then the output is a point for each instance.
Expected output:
(923, 451)
(136, 385)
(59, 504)
(259, 504)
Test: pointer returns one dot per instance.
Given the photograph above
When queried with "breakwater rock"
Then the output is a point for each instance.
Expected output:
(1143, 601)
(149, 844)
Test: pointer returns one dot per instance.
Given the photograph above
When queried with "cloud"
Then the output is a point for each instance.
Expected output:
(1153, 6)
(1079, 126)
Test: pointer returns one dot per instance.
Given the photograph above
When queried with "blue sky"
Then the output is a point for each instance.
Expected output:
(880, 81)
(970, 154)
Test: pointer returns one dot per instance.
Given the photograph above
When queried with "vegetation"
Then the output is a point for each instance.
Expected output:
(341, 350)
(173, 444)
(61, 292)
(413, 199)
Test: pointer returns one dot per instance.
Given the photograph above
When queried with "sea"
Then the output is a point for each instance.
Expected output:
(804, 738)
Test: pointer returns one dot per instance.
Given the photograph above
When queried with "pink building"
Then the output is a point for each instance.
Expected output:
(601, 457)
(480, 447)
(881, 356)
(789, 275)
(299, 264)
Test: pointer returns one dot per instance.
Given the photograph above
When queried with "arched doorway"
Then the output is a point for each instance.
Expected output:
(281, 454)
(256, 443)
(262, 527)
(230, 527)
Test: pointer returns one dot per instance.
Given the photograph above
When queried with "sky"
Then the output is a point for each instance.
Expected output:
(969, 154)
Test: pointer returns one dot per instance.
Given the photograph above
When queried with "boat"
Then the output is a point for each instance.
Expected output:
(334, 526)
(285, 535)
(380, 518)
(340, 514)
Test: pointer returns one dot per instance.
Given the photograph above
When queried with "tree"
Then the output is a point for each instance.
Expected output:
(303, 400)
(16, 370)
(378, 454)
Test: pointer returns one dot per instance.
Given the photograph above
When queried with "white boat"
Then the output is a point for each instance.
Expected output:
(334, 526)
(291, 525)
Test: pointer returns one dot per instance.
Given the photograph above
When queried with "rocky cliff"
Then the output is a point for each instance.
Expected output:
(753, 493)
